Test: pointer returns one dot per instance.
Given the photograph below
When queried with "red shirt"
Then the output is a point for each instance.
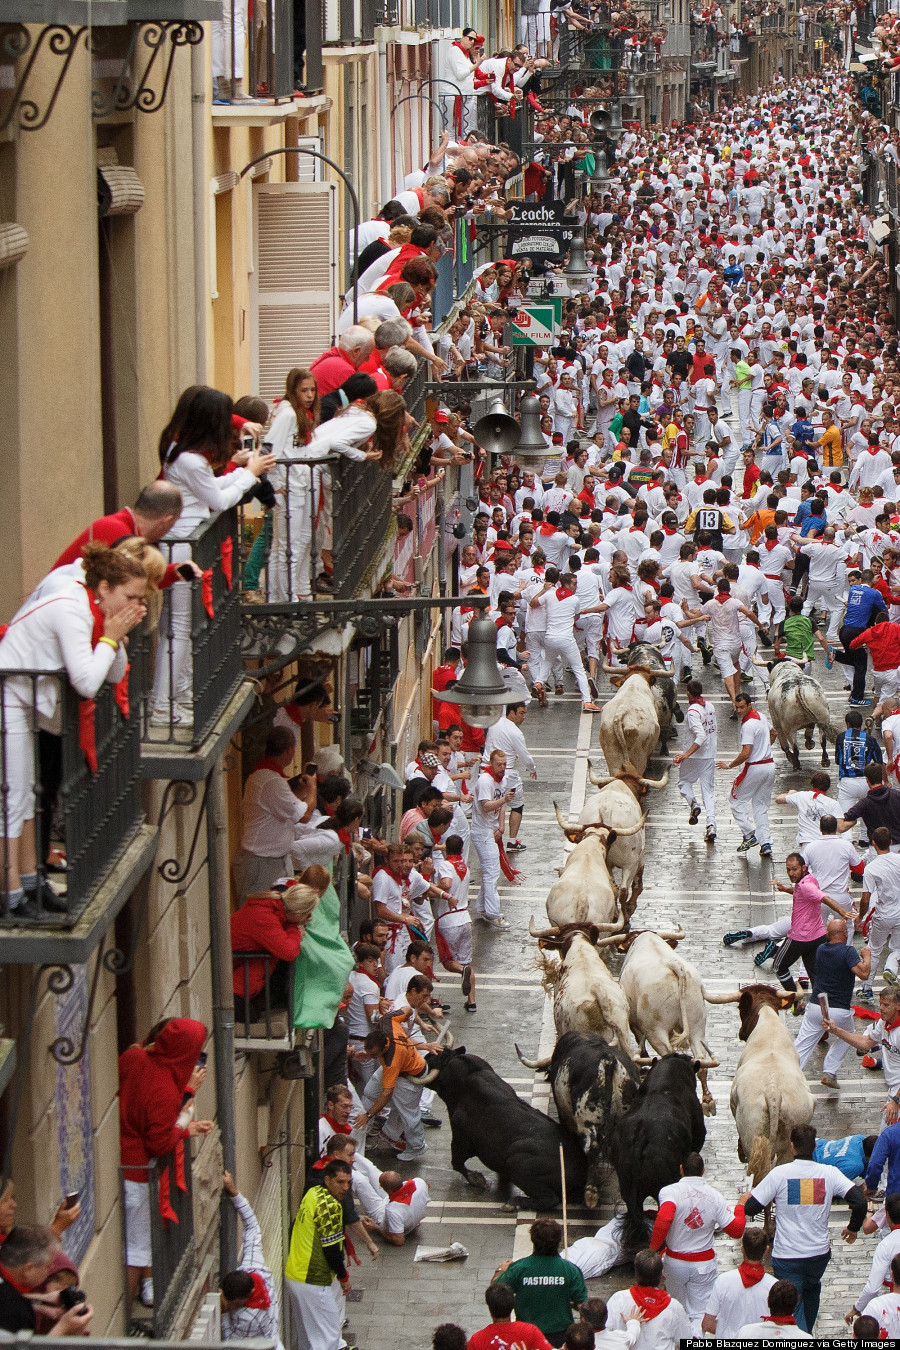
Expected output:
(331, 369)
(261, 925)
(108, 530)
(883, 641)
(509, 1336)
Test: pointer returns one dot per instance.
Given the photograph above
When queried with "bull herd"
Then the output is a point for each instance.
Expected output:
(617, 1107)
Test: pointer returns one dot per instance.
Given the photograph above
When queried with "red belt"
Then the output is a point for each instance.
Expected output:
(708, 1255)
(772, 576)
(743, 773)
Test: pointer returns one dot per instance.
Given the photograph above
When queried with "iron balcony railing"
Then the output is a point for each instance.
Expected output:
(171, 1239)
(263, 1021)
(197, 665)
(331, 509)
(86, 781)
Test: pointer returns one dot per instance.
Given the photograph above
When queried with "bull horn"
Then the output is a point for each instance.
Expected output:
(722, 998)
(612, 939)
(635, 829)
(655, 782)
(678, 936)
(560, 820)
(756, 661)
(643, 1060)
(429, 1077)
(613, 670)
(701, 1064)
(542, 932)
(534, 1063)
(596, 781)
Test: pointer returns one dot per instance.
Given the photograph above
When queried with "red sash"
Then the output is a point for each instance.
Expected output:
(403, 1194)
(651, 1301)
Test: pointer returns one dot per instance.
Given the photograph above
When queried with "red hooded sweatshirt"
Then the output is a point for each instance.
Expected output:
(152, 1084)
(261, 925)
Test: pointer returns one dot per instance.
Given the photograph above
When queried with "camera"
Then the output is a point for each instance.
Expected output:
(202, 1059)
(72, 1298)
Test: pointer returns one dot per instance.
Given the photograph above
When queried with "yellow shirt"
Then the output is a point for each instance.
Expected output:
(832, 448)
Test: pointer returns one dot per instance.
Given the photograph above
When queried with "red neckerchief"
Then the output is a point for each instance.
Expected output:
(260, 1296)
(462, 49)
(651, 1301)
(546, 529)
(750, 1273)
(562, 594)
(456, 861)
(502, 623)
(666, 530)
(751, 716)
(722, 596)
(403, 1194)
(770, 544)
(395, 876)
(873, 449)
(335, 1128)
(9, 1280)
(893, 1026)
(293, 713)
(344, 836)
(268, 763)
(497, 777)
(779, 1321)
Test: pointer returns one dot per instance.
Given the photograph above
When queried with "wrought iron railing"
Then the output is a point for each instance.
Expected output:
(334, 508)
(197, 664)
(86, 782)
(265, 1019)
(171, 1239)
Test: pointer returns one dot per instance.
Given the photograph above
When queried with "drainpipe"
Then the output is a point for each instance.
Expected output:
(222, 998)
(200, 189)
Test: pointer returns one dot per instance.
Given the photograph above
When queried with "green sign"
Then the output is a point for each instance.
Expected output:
(534, 325)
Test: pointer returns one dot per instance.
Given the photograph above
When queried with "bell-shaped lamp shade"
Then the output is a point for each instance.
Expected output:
(481, 695)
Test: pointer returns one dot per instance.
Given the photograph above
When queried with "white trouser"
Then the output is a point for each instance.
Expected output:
(702, 771)
(543, 669)
(174, 673)
(771, 932)
(750, 802)
(730, 457)
(318, 1316)
(757, 400)
(405, 1115)
(887, 683)
(290, 557)
(17, 767)
(221, 40)
(395, 952)
(743, 399)
(567, 649)
(851, 790)
(564, 425)
(728, 655)
(138, 1251)
(748, 633)
(489, 859)
(773, 608)
(594, 1256)
(884, 928)
(827, 596)
(460, 825)
(590, 627)
(810, 1034)
(701, 428)
(691, 1282)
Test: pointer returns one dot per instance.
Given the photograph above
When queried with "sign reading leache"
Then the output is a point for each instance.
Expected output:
(540, 231)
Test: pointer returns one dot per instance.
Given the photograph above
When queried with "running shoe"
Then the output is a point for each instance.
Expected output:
(591, 707)
(746, 844)
(767, 952)
(710, 836)
(695, 814)
(765, 851)
(741, 935)
(889, 977)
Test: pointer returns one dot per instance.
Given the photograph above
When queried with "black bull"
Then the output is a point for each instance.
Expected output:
(491, 1123)
(593, 1083)
(664, 1124)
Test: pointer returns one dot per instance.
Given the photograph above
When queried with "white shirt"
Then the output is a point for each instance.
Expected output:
(734, 1306)
(889, 1042)
(270, 813)
(882, 1257)
(662, 1332)
(801, 1228)
(702, 729)
(561, 615)
(755, 733)
(770, 1331)
(506, 736)
(402, 1216)
(201, 492)
(810, 808)
(826, 562)
(887, 1310)
(366, 994)
(723, 620)
(699, 1210)
(485, 790)
(882, 879)
(830, 858)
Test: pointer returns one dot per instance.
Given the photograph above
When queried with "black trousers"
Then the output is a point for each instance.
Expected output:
(790, 951)
(858, 659)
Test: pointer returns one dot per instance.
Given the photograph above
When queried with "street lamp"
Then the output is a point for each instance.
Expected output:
(576, 271)
(481, 695)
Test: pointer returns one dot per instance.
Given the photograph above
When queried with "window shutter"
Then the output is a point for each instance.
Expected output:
(294, 293)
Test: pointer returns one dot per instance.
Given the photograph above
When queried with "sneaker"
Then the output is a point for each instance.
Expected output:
(147, 1293)
(559, 690)
(165, 715)
(432, 1122)
(686, 675)
(695, 814)
(765, 851)
(471, 1007)
(828, 1080)
(466, 983)
(407, 1156)
(710, 836)
(860, 702)
(540, 695)
(871, 1061)
(592, 685)
(591, 707)
(829, 659)
(767, 953)
(865, 996)
(515, 846)
(185, 714)
(44, 896)
(803, 981)
(799, 1007)
(746, 844)
(731, 939)
(499, 923)
(889, 977)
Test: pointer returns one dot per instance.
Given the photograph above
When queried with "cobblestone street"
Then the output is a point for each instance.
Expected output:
(709, 890)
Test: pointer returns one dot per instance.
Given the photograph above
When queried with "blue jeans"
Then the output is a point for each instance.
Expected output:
(805, 1274)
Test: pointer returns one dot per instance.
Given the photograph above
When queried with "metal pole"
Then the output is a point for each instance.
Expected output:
(354, 200)
(202, 225)
(222, 998)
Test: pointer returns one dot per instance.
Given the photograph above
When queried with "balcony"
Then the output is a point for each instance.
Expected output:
(87, 793)
(109, 13)
(171, 1242)
(264, 1021)
(195, 657)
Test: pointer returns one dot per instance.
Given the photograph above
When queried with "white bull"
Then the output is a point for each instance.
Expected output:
(585, 995)
(667, 1003)
(585, 892)
(797, 703)
(769, 1095)
(619, 803)
(629, 725)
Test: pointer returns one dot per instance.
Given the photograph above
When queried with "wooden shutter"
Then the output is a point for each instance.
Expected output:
(294, 294)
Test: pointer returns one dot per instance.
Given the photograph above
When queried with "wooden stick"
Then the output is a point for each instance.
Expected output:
(562, 1172)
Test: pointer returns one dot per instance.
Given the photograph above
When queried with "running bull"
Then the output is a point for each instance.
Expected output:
(619, 804)
(585, 892)
(593, 1083)
(797, 703)
(490, 1122)
(629, 722)
(586, 998)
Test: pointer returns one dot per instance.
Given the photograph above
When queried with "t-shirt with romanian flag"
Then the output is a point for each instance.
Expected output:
(804, 1191)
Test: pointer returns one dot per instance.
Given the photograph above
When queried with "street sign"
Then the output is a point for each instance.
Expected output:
(534, 325)
(540, 231)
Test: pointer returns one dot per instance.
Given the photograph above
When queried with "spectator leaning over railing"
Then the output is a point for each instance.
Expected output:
(152, 517)
(77, 631)
(28, 1254)
(156, 1080)
(248, 1295)
(274, 922)
(196, 442)
(332, 368)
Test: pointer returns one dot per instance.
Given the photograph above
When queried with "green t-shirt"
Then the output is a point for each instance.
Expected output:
(798, 637)
(547, 1288)
(319, 1224)
(742, 375)
(615, 425)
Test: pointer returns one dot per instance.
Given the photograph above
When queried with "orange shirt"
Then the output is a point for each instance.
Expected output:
(757, 523)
